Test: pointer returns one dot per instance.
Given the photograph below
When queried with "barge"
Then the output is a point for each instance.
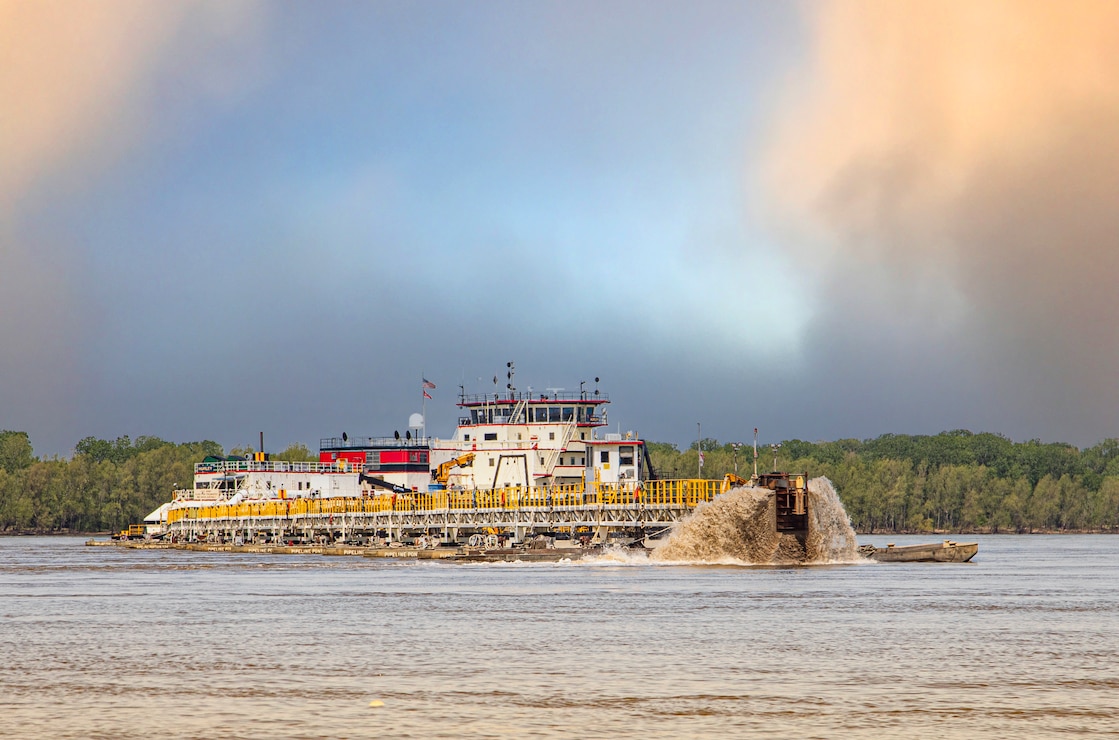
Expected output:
(936, 552)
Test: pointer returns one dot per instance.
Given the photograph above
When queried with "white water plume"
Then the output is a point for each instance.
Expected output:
(739, 526)
(830, 536)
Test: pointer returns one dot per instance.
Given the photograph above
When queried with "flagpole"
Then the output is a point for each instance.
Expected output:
(424, 385)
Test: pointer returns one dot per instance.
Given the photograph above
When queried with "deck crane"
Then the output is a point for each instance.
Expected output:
(443, 472)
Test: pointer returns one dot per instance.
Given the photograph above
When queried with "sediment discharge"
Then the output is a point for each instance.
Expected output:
(738, 526)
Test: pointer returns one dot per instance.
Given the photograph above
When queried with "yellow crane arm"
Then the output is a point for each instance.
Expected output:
(443, 472)
(733, 481)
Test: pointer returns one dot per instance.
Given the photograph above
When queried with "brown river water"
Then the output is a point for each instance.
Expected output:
(101, 642)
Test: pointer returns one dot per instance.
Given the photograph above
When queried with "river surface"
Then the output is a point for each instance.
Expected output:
(100, 642)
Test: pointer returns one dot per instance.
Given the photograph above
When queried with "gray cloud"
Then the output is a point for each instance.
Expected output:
(78, 96)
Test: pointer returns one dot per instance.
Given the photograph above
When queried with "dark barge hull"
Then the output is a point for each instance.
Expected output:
(936, 552)
(525, 554)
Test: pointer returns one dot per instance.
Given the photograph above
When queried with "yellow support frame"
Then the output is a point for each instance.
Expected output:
(685, 493)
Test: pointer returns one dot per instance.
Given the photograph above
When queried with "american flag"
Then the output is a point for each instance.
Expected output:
(427, 384)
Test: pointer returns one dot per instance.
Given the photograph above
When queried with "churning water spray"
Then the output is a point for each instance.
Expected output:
(739, 525)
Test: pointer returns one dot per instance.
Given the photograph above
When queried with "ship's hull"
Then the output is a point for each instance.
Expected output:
(935, 552)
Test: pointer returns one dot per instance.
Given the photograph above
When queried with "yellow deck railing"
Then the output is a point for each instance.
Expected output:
(666, 493)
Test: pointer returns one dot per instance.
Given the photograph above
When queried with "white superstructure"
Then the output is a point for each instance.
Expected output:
(537, 440)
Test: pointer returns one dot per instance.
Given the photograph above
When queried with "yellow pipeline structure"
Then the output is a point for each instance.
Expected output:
(674, 494)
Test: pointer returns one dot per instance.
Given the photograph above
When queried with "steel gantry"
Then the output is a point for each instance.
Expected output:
(517, 513)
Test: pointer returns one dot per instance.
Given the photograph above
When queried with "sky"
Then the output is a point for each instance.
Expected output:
(821, 219)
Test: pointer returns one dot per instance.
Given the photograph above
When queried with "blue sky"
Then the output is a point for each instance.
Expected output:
(225, 218)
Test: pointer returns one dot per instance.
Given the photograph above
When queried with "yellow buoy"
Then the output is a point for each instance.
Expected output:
(376, 703)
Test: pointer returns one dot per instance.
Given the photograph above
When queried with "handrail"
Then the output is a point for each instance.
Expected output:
(477, 399)
(686, 493)
(517, 411)
(568, 434)
(339, 443)
(272, 466)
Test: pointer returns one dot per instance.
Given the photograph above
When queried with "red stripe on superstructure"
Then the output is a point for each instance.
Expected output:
(350, 457)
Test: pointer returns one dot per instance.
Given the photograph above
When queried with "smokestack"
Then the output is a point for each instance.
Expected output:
(262, 441)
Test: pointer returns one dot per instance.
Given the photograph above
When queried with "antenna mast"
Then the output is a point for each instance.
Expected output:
(755, 453)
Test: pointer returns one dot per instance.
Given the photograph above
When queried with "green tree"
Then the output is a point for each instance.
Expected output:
(666, 459)
(296, 452)
(1105, 504)
(1044, 506)
(15, 451)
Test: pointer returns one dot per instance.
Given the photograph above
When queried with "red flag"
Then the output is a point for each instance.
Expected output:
(427, 395)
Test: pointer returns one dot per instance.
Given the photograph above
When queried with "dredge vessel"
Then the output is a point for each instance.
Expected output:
(520, 469)
(523, 475)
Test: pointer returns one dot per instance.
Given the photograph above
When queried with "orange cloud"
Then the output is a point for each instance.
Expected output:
(903, 102)
(948, 173)
(76, 75)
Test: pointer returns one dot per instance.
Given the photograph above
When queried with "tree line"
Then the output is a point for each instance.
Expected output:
(104, 487)
(954, 481)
